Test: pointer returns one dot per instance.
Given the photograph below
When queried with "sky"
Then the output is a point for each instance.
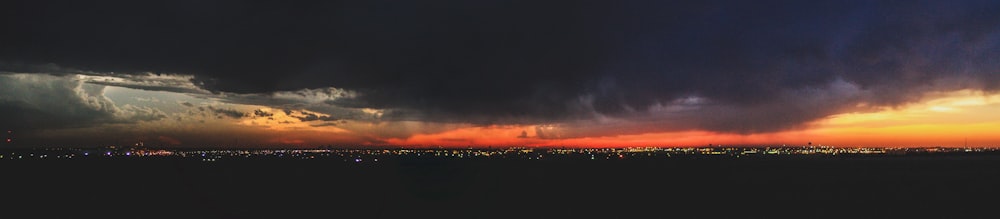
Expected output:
(234, 74)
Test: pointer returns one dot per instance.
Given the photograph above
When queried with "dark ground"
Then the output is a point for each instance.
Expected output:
(873, 187)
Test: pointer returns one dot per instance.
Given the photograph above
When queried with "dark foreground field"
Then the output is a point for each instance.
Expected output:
(898, 187)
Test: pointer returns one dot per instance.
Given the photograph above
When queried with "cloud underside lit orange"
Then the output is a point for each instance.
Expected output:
(948, 119)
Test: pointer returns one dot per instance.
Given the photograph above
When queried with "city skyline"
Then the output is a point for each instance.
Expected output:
(478, 74)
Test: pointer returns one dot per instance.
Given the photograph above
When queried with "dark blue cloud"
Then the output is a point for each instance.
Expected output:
(534, 61)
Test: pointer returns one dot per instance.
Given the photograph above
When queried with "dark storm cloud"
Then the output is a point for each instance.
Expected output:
(151, 82)
(307, 117)
(231, 113)
(333, 123)
(261, 113)
(758, 65)
(524, 134)
(49, 68)
(295, 97)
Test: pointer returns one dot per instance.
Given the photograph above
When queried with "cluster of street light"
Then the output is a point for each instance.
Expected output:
(373, 155)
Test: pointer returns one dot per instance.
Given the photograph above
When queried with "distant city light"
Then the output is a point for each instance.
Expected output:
(379, 155)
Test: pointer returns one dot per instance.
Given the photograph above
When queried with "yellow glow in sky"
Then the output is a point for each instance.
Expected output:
(946, 119)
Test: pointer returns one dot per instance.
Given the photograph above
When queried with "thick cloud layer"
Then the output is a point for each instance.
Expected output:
(753, 66)
(37, 101)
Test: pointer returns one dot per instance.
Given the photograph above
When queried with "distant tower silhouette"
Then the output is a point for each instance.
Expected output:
(810, 144)
(10, 137)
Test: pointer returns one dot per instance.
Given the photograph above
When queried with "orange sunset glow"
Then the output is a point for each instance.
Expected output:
(500, 109)
(574, 74)
(947, 119)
